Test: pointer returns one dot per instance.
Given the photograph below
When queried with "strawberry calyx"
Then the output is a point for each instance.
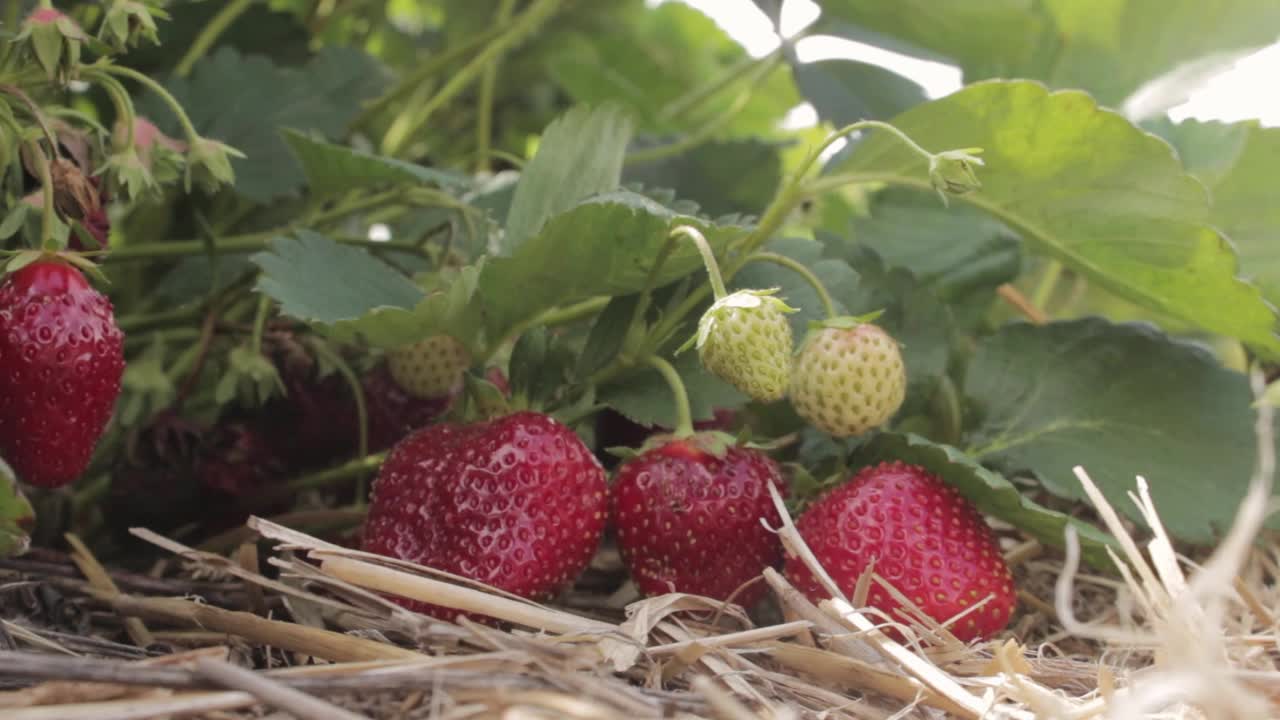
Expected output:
(24, 258)
(691, 447)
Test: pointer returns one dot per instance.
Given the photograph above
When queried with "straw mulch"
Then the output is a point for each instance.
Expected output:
(215, 637)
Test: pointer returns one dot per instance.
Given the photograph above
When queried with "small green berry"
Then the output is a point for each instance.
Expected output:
(745, 340)
(848, 380)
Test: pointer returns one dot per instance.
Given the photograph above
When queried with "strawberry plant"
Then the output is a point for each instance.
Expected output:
(425, 265)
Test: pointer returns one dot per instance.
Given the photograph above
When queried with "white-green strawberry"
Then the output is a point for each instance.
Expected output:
(849, 377)
(430, 368)
(745, 340)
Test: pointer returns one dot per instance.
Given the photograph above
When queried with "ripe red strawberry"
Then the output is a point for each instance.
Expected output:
(61, 359)
(927, 540)
(517, 502)
(688, 515)
(394, 413)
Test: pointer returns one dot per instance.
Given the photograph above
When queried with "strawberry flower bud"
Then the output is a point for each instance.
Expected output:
(128, 174)
(55, 40)
(745, 339)
(129, 21)
(952, 171)
(209, 164)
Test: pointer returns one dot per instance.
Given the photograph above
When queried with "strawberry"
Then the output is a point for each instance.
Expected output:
(926, 539)
(849, 378)
(314, 422)
(517, 502)
(745, 339)
(431, 368)
(61, 360)
(688, 514)
(153, 479)
(394, 413)
(238, 476)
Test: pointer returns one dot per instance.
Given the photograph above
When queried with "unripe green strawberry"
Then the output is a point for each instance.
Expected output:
(849, 378)
(745, 340)
(431, 368)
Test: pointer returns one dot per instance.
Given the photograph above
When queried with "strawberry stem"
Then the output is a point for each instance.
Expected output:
(328, 476)
(46, 186)
(362, 412)
(124, 107)
(107, 69)
(484, 111)
(260, 322)
(684, 418)
(794, 190)
(708, 258)
(207, 37)
(828, 305)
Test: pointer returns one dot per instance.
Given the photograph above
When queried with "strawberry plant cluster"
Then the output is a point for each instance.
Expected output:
(508, 283)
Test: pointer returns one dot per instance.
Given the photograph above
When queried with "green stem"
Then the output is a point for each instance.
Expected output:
(210, 34)
(187, 128)
(693, 139)
(684, 418)
(708, 258)
(484, 109)
(791, 194)
(828, 304)
(260, 322)
(362, 412)
(1048, 283)
(31, 107)
(403, 129)
(152, 321)
(123, 104)
(46, 184)
(252, 242)
(550, 318)
(415, 80)
(738, 70)
(355, 468)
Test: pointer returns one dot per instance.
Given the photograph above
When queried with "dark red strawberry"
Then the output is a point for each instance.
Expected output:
(517, 502)
(688, 514)
(153, 480)
(61, 358)
(313, 423)
(238, 476)
(394, 413)
(927, 540)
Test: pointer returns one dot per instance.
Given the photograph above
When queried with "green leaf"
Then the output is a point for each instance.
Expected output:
(990, 491)
(1246, 199)
(17, 517)
(1120, 401)
(1083, 185)
(959, 253)
(14, 220)
(1108, 47)
(331, 169)
(603, 246)
(836, 275)
(608, 334)
(646, 399)
(649, 59)
(580, 155)
(1208, 150)
(244, 101)
(846, 91)
(724, 177)
(354, 297)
